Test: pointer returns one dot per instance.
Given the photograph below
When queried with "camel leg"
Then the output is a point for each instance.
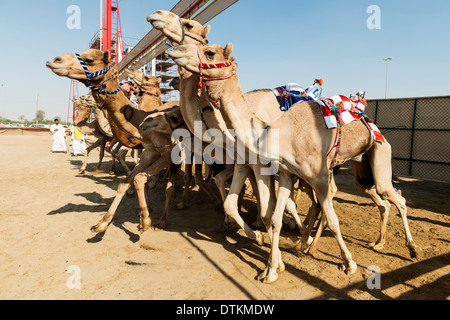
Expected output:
(140, 183)
(121, 154)
(265, 186)
(144, 163)
(113, 152)
(86, 154)
(324, 192)
(142, 189)
(231, 202)
(253, 182)
(187, 186)
(380, 162)
(312, 217)
(270, 274)
(208, 173)
(384, 207)
(201, 183)
(170, 190)
(221, 179)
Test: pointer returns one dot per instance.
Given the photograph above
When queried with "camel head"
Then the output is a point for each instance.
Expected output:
(162, 122)
(83, 106)
(68, 65)
(127, 90)
(211, 61)
(179, 30)
(82, 114)
(142, 79)
(146, 83)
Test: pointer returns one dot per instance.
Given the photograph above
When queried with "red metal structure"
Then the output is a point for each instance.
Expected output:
(110, 39)
(111, 35)
(73, 94)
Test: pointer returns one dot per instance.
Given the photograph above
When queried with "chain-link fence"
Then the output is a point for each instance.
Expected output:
(419, 131)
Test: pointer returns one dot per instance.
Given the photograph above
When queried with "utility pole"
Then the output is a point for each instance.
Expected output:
(387, 64)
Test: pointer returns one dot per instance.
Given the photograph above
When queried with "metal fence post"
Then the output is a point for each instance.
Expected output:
(413, 130)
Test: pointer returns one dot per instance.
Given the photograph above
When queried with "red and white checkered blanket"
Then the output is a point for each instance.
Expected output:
(349, 110)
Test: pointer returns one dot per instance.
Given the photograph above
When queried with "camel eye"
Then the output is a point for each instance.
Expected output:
(210, 54)
(89, 61)
(188, 26)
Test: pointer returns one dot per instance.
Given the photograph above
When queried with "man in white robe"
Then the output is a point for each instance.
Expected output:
(78, 144)
(59, 137)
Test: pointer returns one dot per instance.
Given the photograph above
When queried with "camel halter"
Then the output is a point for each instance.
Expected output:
(203, 66)
(183, 36)
(90, 76)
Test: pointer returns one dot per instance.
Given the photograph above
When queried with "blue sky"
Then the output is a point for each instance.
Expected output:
(275, 42)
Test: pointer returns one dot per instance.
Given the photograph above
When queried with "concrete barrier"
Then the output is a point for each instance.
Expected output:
(24, 131)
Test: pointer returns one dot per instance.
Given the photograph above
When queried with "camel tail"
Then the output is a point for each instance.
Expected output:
(362, 172)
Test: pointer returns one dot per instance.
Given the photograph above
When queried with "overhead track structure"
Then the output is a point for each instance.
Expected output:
(152, 45)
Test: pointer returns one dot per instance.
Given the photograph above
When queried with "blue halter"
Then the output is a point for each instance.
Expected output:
(90, 76)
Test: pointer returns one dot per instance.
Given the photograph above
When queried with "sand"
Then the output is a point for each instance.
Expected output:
(47, 209)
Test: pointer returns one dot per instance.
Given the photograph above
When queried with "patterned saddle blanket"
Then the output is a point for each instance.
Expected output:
(334, 108)
(347, 110)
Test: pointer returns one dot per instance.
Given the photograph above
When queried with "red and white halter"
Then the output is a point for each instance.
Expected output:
(203, 66)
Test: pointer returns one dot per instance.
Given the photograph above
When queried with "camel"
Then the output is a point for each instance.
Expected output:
(264, 105)
(304, 150)
(147, 89)
(146, 86)
(124, 121)
(95, 128)
(263, 102)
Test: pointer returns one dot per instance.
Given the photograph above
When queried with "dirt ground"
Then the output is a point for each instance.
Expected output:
(47, 209)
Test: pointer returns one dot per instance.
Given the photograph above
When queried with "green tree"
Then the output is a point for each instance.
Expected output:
(40, 115)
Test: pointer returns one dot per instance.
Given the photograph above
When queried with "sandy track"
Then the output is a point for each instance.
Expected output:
(47, 209)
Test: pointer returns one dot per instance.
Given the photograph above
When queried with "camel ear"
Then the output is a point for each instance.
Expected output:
(228, 51)
(106, 57)
(206, 30)
(159, 80)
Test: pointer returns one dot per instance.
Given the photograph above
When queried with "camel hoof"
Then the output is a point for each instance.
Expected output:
(180, 206)
(145, 225)
(270, 278)
(350, 268)
(259, 238)
(415, 251)
(99, 228)
(281, 267)
(377, 246)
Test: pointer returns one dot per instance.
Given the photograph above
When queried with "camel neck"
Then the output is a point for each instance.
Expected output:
(126, 129)
(198, 110)
(149, 103)
(228, 97)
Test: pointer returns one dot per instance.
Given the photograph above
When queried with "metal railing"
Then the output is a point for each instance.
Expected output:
(419, 131)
